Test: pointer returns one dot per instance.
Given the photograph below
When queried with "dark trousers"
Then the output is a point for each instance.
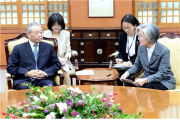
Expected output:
(40, 83)
(156, 85)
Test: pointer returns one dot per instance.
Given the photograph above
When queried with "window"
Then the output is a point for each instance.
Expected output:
(148, 12)
(9, 13)
(164, 13)
(16, 14)
(61, 8)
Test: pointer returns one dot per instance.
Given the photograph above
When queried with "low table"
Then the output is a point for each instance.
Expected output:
(154, 104)
(121, 68)
(100, 76)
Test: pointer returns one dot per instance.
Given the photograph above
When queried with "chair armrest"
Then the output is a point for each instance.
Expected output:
(75, 55)
(113, 55)
(8, 77)
(57, 79)
(60, 72)
(174, 90)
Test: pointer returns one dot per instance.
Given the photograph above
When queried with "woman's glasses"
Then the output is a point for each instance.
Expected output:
(128, 28)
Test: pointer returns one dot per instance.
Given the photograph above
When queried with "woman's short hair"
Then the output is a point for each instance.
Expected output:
(150, 30)
(55, 17)
(130, 19)
(28, 28)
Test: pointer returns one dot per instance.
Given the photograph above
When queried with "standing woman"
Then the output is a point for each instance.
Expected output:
(56, 30)
(128, 43)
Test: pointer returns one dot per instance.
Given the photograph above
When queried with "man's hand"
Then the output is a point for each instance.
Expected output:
(140, 81)
(39, 74)
(118, 61)
(35, 74)
(30, 73)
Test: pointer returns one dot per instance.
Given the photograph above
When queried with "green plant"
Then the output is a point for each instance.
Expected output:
(72, 103)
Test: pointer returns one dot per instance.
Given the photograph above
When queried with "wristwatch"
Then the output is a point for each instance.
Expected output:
(46, 75)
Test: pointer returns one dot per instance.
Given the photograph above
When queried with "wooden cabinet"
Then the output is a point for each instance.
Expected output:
(94, 45)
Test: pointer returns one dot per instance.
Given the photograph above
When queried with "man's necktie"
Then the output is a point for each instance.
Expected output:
(35, 54)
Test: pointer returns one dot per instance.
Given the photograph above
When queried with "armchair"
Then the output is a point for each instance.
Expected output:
(172, 41)
(22, 38)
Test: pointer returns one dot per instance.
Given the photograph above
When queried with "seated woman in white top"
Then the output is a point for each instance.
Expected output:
(56, 30)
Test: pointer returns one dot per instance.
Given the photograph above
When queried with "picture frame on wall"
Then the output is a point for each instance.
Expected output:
(101, 8)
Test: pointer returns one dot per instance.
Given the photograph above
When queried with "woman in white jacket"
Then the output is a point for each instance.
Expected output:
(56, 30)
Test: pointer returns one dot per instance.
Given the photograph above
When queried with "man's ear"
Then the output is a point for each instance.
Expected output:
(27, 34)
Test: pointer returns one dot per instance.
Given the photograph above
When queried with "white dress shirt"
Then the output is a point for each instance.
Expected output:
(32, 46)
(132, 49)
(149, 52)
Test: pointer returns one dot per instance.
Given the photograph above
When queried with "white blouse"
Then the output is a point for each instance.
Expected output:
(130, 41)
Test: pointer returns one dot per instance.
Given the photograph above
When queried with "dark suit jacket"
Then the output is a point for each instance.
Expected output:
(22, 60)
(122, 48)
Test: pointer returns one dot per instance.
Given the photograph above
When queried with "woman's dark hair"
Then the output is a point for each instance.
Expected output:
(56, 17)
(130, 19)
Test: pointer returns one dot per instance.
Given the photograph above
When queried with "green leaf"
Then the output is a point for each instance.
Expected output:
(93, 105)
(94, 88)
(9, 111)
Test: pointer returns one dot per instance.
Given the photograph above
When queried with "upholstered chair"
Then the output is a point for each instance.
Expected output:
(22, 38)
(172, 41)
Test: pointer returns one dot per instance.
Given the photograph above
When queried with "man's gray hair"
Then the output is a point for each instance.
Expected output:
(150, 30)
(28, 28)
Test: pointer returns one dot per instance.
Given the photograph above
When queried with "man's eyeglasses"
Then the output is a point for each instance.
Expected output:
(37, 33)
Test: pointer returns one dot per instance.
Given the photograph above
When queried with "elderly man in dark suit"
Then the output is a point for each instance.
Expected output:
(154, 58)
(34, 61)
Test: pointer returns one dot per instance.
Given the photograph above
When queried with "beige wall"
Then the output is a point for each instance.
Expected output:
(79, 14)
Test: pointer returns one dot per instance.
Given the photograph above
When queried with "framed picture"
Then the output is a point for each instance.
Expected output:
(101, 8)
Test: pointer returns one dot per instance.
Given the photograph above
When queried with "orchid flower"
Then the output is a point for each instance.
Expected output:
(62, 107)
(36, 98)
(44, 97)
(51, 116)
